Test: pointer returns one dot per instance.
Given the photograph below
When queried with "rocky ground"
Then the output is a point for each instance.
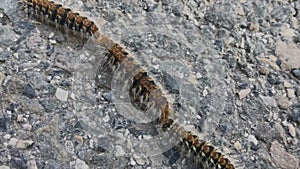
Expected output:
(231, 67)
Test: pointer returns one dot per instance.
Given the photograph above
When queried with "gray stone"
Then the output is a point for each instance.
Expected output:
(268, 101)
(23, 144)
(13, 142)
(237, 145)
(290, 93)
(2, 77)
(3, 124)
(289, 54)
(292, 130)
(244, 93)
(281, 158)
(19, 163)
(263, 70)
(283, 102)
(4, 167)
(31, 164)
(61, 94)
(79, 164)
(119, 151)
(296, 72)
(29, 91)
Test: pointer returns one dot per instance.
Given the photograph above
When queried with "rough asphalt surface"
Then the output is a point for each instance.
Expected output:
(231, 67)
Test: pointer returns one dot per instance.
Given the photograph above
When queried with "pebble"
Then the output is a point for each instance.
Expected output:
(61, 94)
(2, 77)
(270, 62)
(237, 145)
(79, 138)
(289, 54)
(282, 158)
(12, 142)
(3, 124)
(51, 35)
(244, 93)
(292, 130)
(252, 139)
(296, 72)
(281, 131)
(7, 136)
(29, 91)
(198, 75)
(7, 79)
(31, 164)
(106, 119)
(119, 151)
(20, 118)
(23, 144)
(19, 162)
(286, 84)
(79, 164)
(290, 93)
(283, 102)
(253, 27)
(263, 70)
(268, 101)
(240, 11)
(139, 160)
(52, 41)
(132, 162)
(27, 127)
(4, 167)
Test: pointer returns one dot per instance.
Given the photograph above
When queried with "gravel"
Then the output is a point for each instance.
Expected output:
(231, 68)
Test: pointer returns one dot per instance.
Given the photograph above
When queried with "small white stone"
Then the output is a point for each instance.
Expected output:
(198, 75)
(51, 35)
(132, 162)
(237, 145)
(61, 94)
(252, 139)
(244, 93)
(106, 119)
(290, 93)
(73, 96)
(7, 136)
(79, 164)
(27, 127)
(292, 130)
(20, 118)
(205, 92)
(52, 41)
(119, 151)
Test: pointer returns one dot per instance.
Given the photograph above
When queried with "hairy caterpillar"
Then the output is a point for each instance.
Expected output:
(144, 93)
(63, 16)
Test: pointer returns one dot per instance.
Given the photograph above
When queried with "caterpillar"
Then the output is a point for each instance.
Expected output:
(62, 15)
(144, 92)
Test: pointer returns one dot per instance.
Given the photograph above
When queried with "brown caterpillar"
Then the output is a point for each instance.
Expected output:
(62, 15)
(144, 93)
(142, 88)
